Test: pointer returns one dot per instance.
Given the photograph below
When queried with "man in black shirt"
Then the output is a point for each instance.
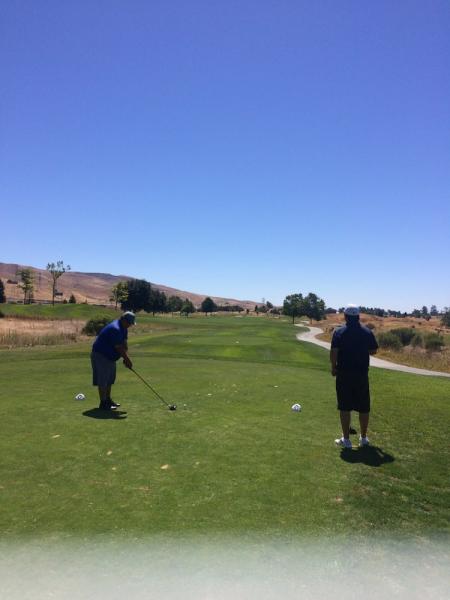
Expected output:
(351, 347)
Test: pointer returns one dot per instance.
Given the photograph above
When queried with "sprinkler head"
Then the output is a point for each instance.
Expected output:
(172, 407)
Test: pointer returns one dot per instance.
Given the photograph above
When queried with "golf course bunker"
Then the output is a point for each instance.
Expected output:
(225, 569)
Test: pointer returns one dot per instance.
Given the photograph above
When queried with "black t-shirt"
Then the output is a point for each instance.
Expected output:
(354, 343)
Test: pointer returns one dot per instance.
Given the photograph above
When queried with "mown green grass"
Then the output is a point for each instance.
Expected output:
(239, 460)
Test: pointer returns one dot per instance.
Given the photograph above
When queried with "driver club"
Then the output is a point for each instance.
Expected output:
(170, 406)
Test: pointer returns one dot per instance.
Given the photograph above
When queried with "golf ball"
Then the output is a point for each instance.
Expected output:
(80, 397)
(296, 407)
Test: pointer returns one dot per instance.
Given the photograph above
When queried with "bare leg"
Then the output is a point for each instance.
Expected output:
(345, 423)
(104, 393)
(364, 423)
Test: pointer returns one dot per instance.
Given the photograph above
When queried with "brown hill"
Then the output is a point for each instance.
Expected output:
(94, 288)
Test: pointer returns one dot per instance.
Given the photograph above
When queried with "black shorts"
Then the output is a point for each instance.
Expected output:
(352, 390)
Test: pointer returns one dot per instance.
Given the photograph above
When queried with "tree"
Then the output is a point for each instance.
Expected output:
(434, 310)
(158, 301)
(27, 284)
(2, 292)
(416, 313)
(424, 311)
(119, 293)
(174, 304)
(187, 308)
(293, 306)
(445, 320)
(139, 296)
(56, 270)
(72, 299)
(208, 305)
(230, 308)
(314, 307)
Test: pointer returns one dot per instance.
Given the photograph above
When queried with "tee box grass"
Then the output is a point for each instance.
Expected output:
(233, 458)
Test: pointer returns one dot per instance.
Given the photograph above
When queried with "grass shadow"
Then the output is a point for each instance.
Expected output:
(372, 456)
(98, 413)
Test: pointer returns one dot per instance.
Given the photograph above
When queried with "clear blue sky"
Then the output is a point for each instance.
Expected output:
(246, 149)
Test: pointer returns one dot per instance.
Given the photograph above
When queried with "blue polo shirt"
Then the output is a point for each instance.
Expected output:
(354, 342)
(111, 335)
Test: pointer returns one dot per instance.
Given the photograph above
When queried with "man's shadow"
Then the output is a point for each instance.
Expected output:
(98, 413)
(372, 456)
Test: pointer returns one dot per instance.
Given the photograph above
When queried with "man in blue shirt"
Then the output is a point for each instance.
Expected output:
(351, 348)
(110, 345)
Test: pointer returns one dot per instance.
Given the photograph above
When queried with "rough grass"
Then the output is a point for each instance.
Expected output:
(59, 311)
(233, 458)
(46, 325)
(16, 333)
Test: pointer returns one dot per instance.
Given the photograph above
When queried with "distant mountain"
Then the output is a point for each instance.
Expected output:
(95, 288)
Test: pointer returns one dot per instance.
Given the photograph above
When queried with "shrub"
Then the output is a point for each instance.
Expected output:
(445, 321)
(434, 342)
(387, 339)
(417, 341)
(95, 325)
(404, 334)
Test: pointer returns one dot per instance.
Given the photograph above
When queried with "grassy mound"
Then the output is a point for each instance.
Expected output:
(59, 311)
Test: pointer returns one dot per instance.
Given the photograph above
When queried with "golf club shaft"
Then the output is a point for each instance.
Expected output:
(149, 386)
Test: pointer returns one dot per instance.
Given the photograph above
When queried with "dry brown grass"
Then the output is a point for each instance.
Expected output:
(413, 357)
(419, 358)
(387, 323)
(15, 333)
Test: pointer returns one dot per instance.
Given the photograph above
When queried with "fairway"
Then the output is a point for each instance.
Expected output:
(233, 459)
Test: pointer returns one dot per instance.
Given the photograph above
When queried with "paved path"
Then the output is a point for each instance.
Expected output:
(310, 336)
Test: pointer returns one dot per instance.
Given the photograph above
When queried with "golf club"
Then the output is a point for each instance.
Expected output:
(170, 406)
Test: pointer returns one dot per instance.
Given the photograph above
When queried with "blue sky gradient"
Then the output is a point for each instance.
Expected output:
(242, 149)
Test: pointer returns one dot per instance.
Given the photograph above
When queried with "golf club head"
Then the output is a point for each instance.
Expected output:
(172, 407)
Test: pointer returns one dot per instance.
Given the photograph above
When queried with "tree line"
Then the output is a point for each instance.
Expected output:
(422, 313)
(310, 306)
(138, 294)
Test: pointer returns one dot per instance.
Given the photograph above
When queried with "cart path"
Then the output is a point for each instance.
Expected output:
(310, 336)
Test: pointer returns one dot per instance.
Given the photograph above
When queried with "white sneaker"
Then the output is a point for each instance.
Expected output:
(363, 441)
(343, 442)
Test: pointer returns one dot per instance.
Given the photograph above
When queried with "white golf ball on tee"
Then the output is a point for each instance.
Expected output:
(80, 397)
(296, 407)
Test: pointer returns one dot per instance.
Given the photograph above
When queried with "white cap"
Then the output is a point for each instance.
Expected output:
(352, 310)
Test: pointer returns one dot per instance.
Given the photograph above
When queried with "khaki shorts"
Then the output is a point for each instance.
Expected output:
(103, 370)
